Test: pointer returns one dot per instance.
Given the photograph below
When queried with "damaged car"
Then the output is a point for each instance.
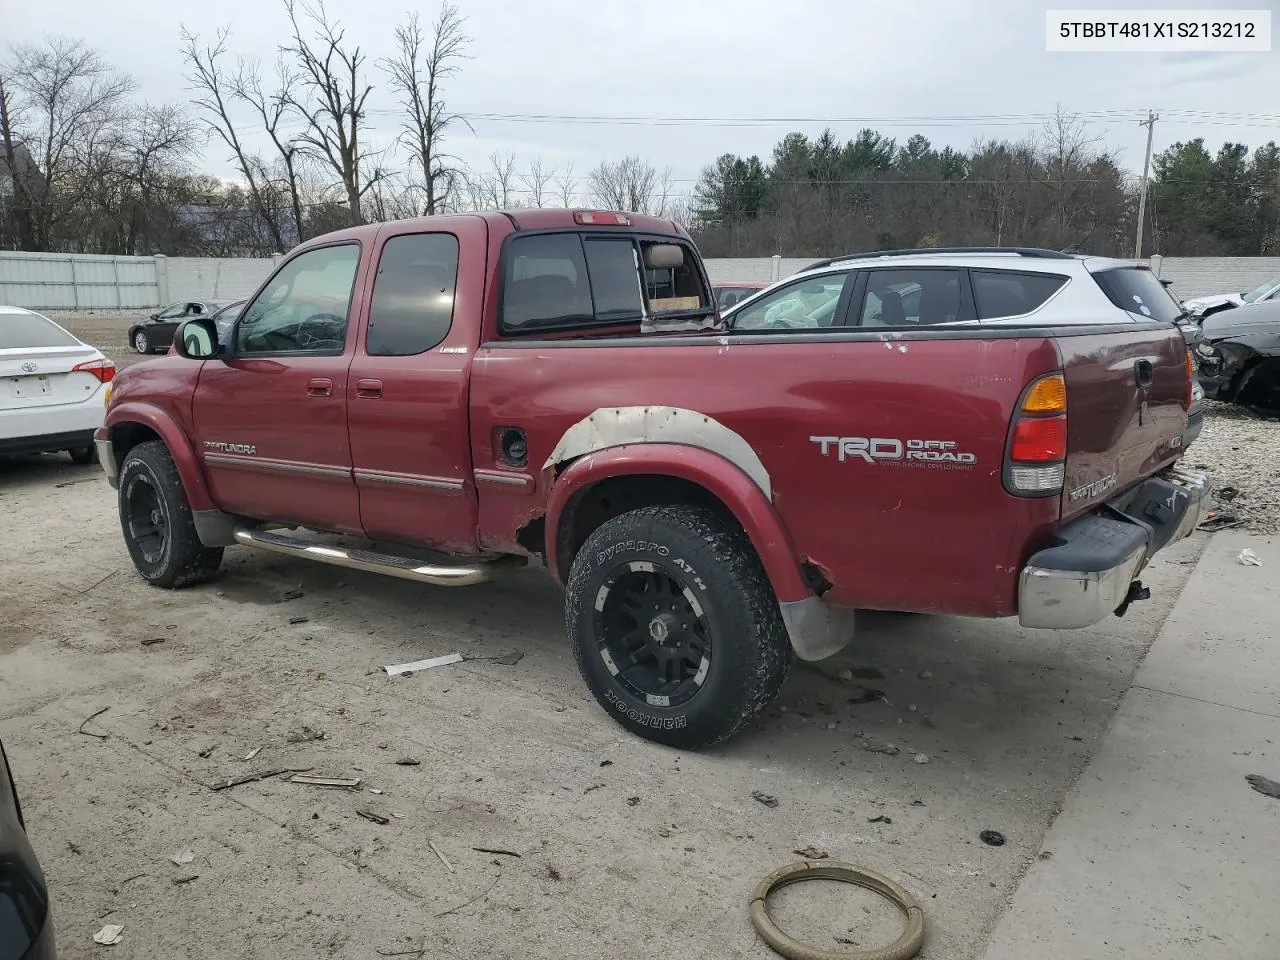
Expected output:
(1238, 356)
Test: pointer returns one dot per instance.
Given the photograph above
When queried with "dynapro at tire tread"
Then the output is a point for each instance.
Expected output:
(185, 561)
(750, 651)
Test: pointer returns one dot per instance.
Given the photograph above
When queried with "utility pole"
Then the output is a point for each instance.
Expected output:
(1150, 124)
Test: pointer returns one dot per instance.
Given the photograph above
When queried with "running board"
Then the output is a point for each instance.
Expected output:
(406, 568)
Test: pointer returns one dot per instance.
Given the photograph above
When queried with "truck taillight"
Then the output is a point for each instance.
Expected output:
(1035, 463)
(1191, 378)
(103, 369)
(601, 218)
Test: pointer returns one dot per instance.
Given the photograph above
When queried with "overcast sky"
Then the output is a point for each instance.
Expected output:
(851, 63)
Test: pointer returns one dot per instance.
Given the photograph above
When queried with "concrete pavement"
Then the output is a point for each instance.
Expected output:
(1162, 849)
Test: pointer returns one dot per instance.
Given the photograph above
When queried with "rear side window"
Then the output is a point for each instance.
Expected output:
(32, 330)
(913, 297)
(563, 280)
(1003, 293)
(1137, 290)
(412, 306)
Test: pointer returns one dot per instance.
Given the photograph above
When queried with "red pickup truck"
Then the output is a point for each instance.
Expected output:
(558, 385)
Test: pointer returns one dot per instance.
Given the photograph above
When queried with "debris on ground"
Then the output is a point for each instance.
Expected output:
(151, 642)
(1248, 558)
(553, 873)
(992, 838)
(294, 621)
(633, 801)
(436, 851)
(811, 853)
(341, 783)
(1220, 520)
(293, 595)
(606, 763)
(868, 695)
(92, 716)
(880, 819)
(208, 751)
(377, 818)
(408, 762)
(497, 852)
(1226, 494)
(846, 675)
(251, 754)
(1268, 788)
(917, 803)
(304, 735)
(925, 675)
(1238, 448)
(922, 758)
(248, 778)
(180, 881)
(874, 745)
(511, 659)
(182, 858)
(410, 668)
(593, 787)
(768, 799)
(109, 935)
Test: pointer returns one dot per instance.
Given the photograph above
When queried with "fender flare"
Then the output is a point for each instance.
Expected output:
(716, 474)
(175, 439)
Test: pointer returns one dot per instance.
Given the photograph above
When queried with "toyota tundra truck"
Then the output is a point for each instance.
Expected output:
(467, 393)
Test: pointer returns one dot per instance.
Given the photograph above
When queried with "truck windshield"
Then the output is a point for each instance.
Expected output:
(1138, 290)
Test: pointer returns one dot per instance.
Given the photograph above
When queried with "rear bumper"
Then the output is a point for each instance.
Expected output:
(1086, 574)
(46, 442)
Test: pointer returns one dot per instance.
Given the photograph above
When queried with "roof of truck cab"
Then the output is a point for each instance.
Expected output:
(534, 219)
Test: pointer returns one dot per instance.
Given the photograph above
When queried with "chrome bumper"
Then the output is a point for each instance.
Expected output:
(1053, 598)
(107, 457)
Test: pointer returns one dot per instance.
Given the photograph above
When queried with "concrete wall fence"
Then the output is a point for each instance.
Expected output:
(59, 281)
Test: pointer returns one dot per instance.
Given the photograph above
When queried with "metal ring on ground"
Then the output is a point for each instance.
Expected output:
(905, 947)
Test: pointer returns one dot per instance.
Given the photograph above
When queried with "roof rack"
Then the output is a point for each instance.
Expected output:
(1035, 252)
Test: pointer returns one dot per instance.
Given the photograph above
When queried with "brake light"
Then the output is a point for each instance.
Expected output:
(1037, 451)
(103, 369)
(1191, 378)
(597, 217)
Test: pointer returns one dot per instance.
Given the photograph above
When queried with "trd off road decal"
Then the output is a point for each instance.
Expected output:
(892, 451)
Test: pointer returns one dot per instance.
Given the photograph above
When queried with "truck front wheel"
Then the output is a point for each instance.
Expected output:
(156, 519)
(674, 625)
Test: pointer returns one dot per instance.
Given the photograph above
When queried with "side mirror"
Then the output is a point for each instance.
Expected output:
(196, 339)
(155, 316)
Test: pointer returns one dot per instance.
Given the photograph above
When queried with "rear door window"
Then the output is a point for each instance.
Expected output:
(914, 297)
(1138, 290)
(412, 306)
(615, 279)
(1006, 293)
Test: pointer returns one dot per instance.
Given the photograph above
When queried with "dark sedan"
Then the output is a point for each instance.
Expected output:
(156, 334)
(26, 928)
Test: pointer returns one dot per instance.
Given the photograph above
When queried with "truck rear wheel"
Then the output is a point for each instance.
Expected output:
(156, 519)
(674, 625)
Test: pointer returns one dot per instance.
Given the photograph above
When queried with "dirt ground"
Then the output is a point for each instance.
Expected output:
(613, 846)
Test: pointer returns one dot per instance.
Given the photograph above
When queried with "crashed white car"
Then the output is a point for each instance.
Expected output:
(53, 388)
(1203, 306)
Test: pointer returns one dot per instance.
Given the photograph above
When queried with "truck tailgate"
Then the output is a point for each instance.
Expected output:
(1127, 391)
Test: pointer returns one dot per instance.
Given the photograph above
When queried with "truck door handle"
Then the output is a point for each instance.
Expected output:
(1142, 372)
(370, 389)
(320, 387)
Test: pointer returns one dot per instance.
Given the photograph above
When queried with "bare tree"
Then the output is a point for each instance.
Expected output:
(216, 92)
(70, 100)
(537, 182)
(17, 164)
(630, 184)
(567, 186)
(418, 73)
(331, 97)
(272, 110)
(493, 188)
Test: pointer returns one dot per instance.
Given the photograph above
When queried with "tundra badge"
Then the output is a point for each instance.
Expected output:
(248, 449)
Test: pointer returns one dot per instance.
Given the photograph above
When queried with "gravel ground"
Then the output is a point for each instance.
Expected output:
(1241, 450)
